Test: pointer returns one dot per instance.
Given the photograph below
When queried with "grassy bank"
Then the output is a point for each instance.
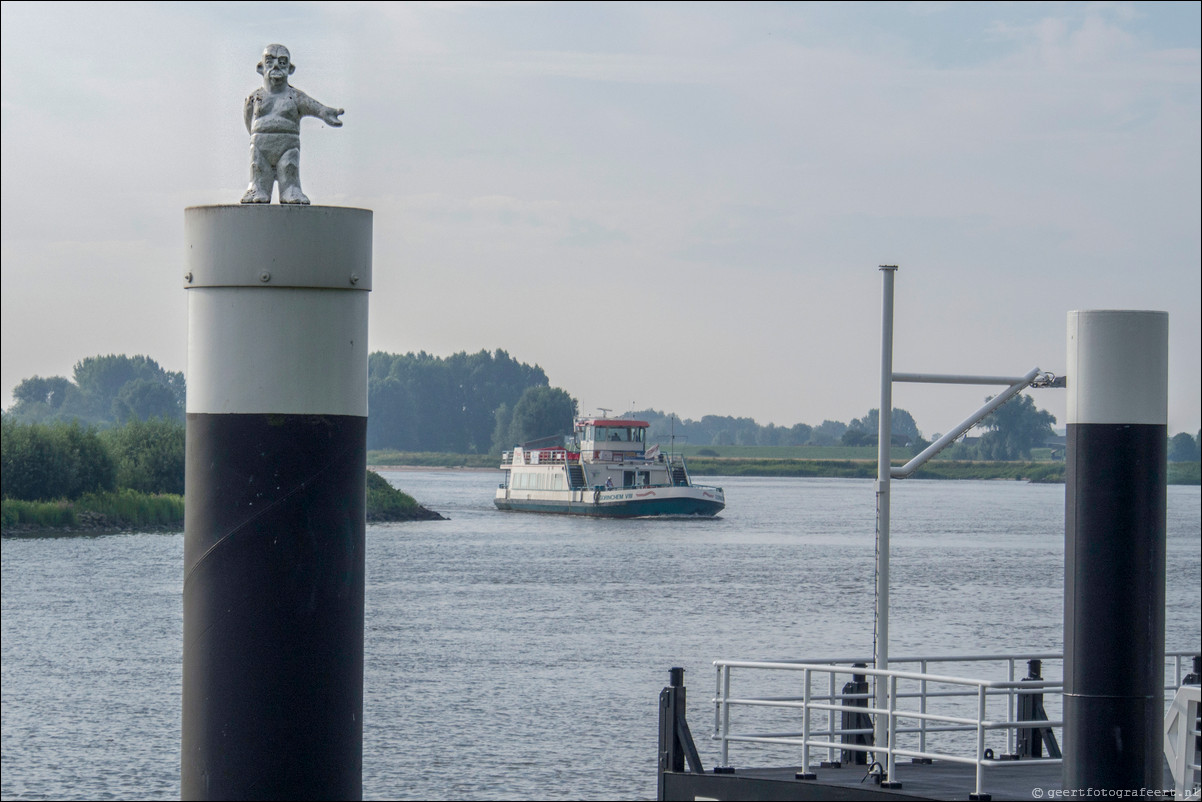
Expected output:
(811, 461)
(866, 469)
(1179, 473)
(386, 503)
(129, 509)
(782, 452)
(121, 509)
(430, 459)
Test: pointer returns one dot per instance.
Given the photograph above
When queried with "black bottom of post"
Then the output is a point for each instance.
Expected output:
(1114, 606)
(273, 607)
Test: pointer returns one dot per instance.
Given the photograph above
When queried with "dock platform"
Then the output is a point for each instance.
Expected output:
(940, 780)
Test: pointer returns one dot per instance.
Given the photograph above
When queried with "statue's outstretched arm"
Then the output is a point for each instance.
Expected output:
(311, 108)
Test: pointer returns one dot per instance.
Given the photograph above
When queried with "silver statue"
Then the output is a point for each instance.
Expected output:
(272, 116)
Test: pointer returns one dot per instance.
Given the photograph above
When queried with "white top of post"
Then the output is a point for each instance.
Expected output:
(1118, 366)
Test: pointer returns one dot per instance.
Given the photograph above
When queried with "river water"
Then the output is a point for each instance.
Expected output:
(515, 656)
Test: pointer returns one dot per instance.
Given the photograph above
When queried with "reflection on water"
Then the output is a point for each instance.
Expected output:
(521, 656)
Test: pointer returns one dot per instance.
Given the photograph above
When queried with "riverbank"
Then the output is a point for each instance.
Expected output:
(1039, 471)
(128, 510)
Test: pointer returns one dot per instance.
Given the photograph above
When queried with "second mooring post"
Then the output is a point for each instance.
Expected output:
(1114, 549)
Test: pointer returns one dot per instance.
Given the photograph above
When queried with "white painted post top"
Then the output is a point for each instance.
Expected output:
(1118, 366)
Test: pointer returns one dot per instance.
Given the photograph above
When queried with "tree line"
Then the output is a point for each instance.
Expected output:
(487, 402)
(102, 391)
(462, 404)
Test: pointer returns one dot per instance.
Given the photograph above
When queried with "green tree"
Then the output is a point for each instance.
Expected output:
(50, 393)
(420, 402)
(500, 434)
(101, 379)
(59, 460)
(905, 430)
(105, 390)
(828, 433)
(148, 455)
(1014, 429)
(143, 399)
(800, 434)
(855, 436)
(1183, 447)
(38, 399)
(542, 412)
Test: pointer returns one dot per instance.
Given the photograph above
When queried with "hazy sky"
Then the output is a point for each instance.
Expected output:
(679, 206)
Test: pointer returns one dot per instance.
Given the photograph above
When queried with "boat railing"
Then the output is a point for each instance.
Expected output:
(544, 456)
(830, 709)
(677, 467)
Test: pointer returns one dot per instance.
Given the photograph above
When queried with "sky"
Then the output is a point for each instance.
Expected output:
(676, 206)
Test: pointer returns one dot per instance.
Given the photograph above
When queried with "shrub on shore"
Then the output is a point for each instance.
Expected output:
(121, 509)
(60, 460)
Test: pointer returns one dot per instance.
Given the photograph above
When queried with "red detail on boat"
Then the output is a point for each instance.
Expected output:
(614, 423)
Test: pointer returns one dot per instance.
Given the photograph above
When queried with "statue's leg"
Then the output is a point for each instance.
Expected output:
(262, 176)
(289, 175)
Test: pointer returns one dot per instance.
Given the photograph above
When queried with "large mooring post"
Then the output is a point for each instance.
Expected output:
(274, 529)
(1114, 554)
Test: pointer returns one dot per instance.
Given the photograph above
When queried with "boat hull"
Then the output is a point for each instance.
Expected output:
(622, 503)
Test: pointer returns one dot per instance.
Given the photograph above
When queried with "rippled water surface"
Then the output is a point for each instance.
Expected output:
(514, 656)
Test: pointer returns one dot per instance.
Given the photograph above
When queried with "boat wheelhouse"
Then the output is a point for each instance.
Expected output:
(605, 469)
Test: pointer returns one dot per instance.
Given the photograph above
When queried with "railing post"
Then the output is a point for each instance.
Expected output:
(725, 760)
(830, 715)
(979, 794)
(805, 773)
(890, 781)
(1010, 694)
(717, 702)
(922, 706)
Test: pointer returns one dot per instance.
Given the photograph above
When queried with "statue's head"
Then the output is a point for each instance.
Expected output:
(276, 64)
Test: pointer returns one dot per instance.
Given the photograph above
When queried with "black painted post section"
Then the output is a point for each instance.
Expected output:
(273, 600)
(1115, 551)
(676, 746)
(670, 757)
(856, 721)
(1032, 740)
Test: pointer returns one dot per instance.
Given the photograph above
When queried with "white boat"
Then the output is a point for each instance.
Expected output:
(606, 470)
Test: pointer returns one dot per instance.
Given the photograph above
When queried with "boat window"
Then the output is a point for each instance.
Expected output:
(627, 478)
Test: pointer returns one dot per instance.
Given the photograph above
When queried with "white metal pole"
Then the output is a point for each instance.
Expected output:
(885, 433)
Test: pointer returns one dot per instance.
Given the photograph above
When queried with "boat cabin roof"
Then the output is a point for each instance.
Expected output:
(614, 422)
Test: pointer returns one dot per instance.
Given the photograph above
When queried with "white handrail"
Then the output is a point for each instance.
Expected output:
(900, 715)
(1181, 741)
